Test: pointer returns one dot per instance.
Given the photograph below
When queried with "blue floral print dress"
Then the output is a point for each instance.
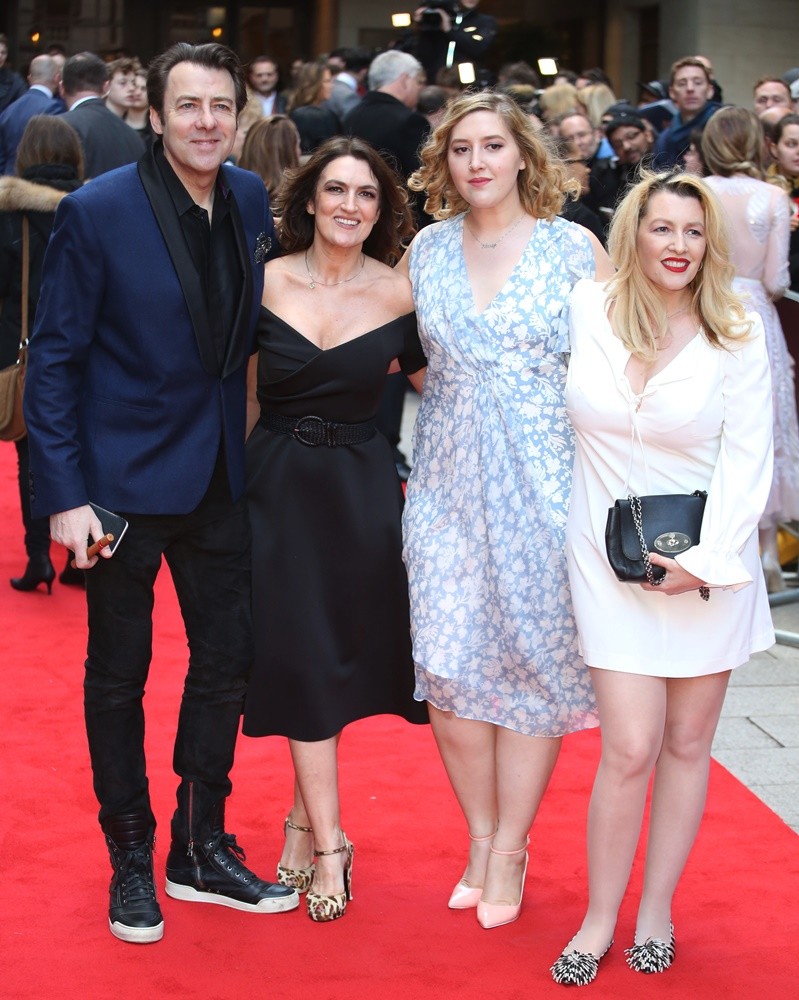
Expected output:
(494, 636)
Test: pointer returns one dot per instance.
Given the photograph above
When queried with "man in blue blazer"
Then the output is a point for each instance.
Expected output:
(136, 401)
(43, 77)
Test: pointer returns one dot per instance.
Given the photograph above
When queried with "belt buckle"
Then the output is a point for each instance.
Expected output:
(312, 421)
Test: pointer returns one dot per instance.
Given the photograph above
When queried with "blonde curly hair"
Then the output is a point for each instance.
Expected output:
(543, 185)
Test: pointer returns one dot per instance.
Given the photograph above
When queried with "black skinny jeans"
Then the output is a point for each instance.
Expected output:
(208, 553)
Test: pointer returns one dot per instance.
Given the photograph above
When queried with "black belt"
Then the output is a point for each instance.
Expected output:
(313, 431)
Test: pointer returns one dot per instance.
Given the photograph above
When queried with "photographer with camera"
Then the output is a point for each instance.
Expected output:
(447, 33)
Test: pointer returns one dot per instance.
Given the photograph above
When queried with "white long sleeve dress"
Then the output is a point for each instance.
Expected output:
(703, 423)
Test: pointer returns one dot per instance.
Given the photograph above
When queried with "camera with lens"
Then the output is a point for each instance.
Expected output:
(431, 20)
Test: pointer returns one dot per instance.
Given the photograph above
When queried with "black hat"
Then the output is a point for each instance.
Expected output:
(657, 87)
(620, 118)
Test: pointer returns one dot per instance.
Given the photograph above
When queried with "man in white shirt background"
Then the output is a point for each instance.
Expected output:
(263, 77)
(349, 84)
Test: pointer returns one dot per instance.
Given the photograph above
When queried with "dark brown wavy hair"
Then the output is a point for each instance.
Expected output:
(394, 226)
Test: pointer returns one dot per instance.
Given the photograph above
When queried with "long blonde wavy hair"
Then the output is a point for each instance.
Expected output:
(639, 315)
(543, 185)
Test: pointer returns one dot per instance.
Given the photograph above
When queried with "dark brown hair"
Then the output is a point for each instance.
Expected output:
(84, 71)
(211, 56)
(49, 139)
(394, 226)
(780, 126)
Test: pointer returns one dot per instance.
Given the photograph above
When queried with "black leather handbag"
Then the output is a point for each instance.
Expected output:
(668, 524)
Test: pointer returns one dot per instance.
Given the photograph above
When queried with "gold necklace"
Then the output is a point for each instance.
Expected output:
(492, 246)
(330, 284)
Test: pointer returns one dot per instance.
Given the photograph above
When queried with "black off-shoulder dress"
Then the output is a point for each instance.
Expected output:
(330, 595)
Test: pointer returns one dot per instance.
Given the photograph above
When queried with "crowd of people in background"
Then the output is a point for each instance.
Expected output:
(394, 100)
(606, 140)
(491, 174)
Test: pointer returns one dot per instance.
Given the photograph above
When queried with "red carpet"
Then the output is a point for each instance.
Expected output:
(737, 912)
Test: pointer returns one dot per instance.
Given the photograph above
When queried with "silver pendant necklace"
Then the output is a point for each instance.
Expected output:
(678, 313)
(330, 284)
(495, 244)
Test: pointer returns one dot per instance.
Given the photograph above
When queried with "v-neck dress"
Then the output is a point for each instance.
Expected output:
(330, 597)
(484, 526)
(701, 423)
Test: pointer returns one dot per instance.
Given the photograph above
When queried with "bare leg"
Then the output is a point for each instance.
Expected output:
(468, 751)
(298, 846)
(632, 711)
(316, 768)
(524, 765)
(678, 794)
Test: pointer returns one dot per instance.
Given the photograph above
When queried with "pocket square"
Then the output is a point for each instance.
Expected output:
(263, 244)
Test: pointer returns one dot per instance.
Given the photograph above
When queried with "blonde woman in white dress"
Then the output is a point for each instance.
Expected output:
(669, 392)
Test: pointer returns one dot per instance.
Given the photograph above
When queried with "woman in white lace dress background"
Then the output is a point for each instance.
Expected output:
(758, 215)
(494, 639)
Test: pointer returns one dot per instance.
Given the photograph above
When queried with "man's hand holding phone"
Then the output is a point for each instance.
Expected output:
(89, 531)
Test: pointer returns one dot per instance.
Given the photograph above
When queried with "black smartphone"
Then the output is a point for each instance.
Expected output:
(112, 524)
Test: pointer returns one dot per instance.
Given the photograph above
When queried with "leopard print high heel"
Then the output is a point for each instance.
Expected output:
(322, 908)
(295, 878)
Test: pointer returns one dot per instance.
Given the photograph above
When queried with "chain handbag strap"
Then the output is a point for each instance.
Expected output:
(635, 508)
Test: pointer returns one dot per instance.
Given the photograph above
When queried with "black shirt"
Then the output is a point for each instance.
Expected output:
(213, 249)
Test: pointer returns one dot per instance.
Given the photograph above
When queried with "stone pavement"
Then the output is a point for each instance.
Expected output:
(758, 734)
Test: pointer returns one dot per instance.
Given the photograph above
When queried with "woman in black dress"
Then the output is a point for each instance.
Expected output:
(330, 598)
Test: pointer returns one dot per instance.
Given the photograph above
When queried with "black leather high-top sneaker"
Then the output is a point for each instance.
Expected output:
(211, 869)
(134, 914)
